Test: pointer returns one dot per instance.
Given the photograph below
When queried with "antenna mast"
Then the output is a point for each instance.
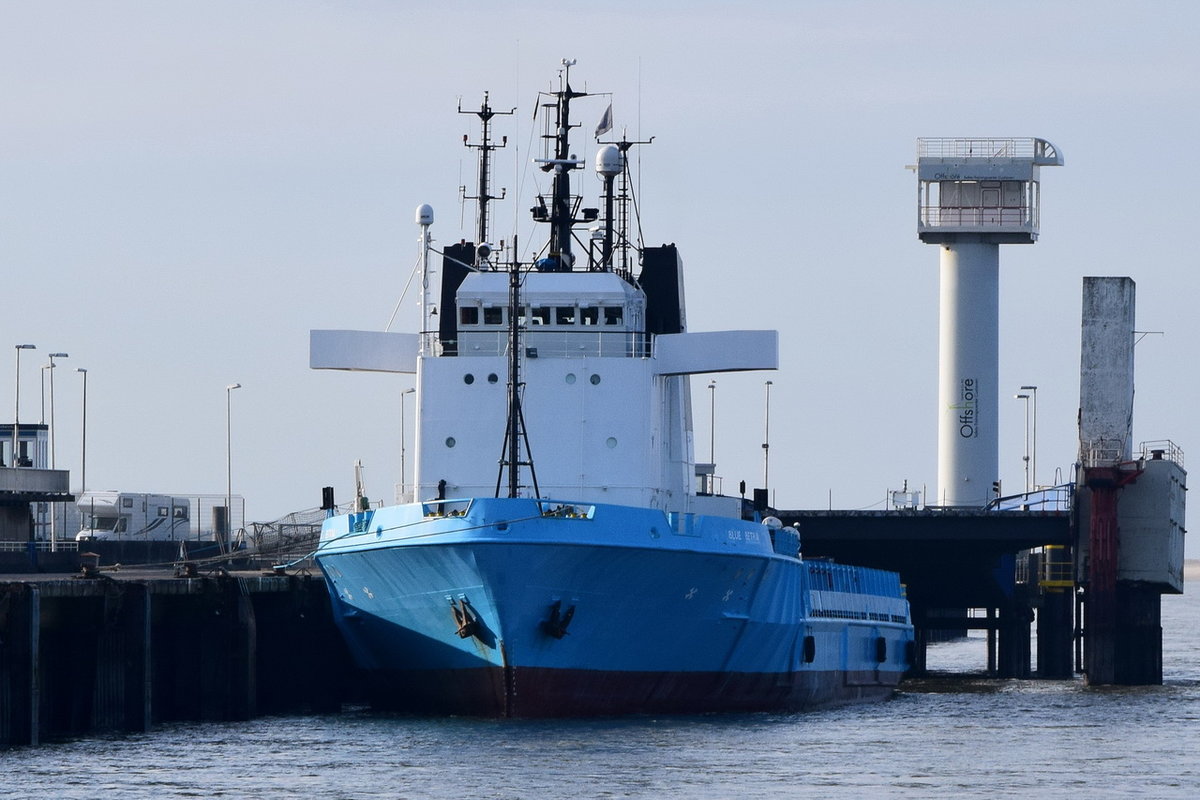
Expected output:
(515, 433)
(485, 147)
(561, 212)
(622, 198)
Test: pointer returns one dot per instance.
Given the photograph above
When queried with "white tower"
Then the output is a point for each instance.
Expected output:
(973, 195)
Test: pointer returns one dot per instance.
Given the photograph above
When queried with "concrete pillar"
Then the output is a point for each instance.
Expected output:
(1138, 659)
(968, 372)
(1055, 629)
(1014, 632)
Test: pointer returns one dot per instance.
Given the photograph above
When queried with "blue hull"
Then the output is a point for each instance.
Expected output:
(509, 609)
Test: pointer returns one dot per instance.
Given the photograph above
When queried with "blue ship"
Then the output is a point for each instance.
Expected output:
(598, 578)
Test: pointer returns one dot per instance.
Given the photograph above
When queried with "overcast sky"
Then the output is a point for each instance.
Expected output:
(187, 188)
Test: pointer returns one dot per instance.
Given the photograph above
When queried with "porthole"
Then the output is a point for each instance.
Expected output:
(493, 377)
(450, 441)
(595, 379)
(611, 442)
(468, 379)
(570, 378)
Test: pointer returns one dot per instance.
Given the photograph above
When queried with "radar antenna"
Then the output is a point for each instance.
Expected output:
(483, 194)
(562, 208)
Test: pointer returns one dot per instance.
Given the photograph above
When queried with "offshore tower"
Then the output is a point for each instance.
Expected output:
(973, 195)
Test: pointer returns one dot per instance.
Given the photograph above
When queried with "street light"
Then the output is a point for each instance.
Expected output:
(229, 461)
(1025, 397)
(83, 469)
(403, 460)
(767, 443)
(712, 422)
(52, 357)
(1033, 439)
(17, 402)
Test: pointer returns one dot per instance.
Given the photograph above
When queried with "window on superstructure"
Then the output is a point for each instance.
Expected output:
(180, 512)
(564, 315)
(163, 511)
(493, 316)
(589, 315)
(468, 315)
(612, 315)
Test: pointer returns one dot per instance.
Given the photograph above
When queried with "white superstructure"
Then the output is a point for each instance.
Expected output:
(603, 362)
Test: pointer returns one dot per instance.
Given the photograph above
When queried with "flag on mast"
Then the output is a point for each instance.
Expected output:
(605, 122)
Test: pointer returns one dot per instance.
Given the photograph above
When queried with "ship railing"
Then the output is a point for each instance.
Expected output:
(1055, 568)
(1104, 452)
(1044, 498)
(569, 510)
(979, 147)
(1162, 449)
(1016, 218)
(445, 508)
(541, 343)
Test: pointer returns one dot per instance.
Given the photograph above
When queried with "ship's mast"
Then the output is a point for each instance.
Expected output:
(515, 433)
(483, 194)
(611, 161)
(561, 212)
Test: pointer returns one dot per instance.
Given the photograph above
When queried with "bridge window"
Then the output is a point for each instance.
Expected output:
(564, 315)
(493, 316)
(468, 315)
(589, 315)
(541, 315)
(612, 315)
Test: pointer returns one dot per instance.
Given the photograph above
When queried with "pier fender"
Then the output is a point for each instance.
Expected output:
(556, 625)
(910, 653)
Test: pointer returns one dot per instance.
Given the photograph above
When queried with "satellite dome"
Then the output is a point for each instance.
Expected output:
(609, 160)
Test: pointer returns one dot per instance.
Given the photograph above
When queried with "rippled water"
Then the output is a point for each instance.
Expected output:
(936, 739)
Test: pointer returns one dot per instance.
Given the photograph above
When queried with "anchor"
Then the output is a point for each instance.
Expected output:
(556, 626)
(464, 617)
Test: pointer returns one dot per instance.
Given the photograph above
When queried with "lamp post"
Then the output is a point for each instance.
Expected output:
(17, 403)
(42, 375)
(1033, 437)
(52, 357)
(83, 466)
(403, 458)
(1025, 458)
(229, 459)
(712, 422)
(767, 443)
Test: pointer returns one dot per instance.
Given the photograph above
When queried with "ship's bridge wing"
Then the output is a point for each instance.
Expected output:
(363, 351)
(716, 351)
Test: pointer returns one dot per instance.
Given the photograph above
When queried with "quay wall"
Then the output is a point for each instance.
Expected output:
(88, 655)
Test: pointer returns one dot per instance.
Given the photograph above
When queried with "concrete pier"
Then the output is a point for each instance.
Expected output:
(83, 655)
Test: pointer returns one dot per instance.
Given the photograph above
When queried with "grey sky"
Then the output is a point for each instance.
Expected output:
(187, 188)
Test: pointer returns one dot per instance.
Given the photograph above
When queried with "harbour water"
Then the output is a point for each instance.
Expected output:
(938, 738)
